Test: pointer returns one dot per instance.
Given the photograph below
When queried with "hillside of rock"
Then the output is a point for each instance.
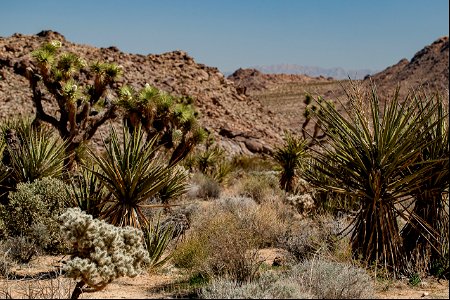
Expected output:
(252, 80)
(429, 68)
(239, 122)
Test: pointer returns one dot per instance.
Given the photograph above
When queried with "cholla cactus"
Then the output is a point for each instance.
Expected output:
(101, 252)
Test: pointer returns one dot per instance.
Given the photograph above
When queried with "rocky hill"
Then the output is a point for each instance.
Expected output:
(252, 80)
(428, 68)
(284, 94)
(336, 73)
(240, 122)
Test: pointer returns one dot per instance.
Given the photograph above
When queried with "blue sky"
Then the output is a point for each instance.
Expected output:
(228, 34)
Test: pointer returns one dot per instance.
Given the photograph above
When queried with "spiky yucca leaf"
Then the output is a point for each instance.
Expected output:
(88, 192)
(156, 239)
(175, 186)
(37, 156)
(132, 172)
(368, 158)
(430, 212)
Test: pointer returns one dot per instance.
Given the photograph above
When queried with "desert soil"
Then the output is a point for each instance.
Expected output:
(167, 284)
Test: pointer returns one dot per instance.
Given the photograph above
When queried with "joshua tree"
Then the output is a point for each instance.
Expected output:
(173, 120)
(82, 107)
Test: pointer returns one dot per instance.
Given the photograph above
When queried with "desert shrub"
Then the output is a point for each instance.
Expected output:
(258, 186)
(219, 245)
(225, 236)
(318, 236)
(268, 222)
(21, 249)
(333, 280)
(252, 163)
(303, 204)
(6, 261)
(101, 252)
(33, 209)
(211, 160)
(204, 187)
(267, 286)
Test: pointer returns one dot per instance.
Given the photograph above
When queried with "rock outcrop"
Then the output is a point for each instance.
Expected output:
(254, 129)
(429, 68)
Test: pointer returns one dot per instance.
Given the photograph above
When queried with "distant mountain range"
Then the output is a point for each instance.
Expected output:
(336, 73)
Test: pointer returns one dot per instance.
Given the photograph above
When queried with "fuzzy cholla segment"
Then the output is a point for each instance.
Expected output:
(102, 252)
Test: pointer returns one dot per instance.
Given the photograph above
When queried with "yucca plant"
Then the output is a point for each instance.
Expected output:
(156, 239)
(29, 153)
(368, 157)
(133, 173)
(290, 157)
(175, 186)
(38, 157)
(430, 211)
(88, 192)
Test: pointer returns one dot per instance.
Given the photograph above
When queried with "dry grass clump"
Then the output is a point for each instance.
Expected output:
(203, 187)
(318, 236)
(333, 280)
(225, 236)
(37, 288)
(259, 186)
(267, 286)
(312, 279)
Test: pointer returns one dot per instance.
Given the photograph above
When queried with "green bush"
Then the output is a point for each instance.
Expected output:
(258, 186)
(33, 209)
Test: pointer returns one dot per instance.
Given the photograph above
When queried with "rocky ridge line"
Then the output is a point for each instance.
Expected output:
(239, 122)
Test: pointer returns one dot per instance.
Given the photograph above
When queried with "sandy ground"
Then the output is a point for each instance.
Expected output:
(163, 285)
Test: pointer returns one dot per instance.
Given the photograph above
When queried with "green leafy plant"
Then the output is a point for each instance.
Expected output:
(175, 186)
(368, 157)
(414, 279)
(37, 156)
(28, 154)
(88, 192)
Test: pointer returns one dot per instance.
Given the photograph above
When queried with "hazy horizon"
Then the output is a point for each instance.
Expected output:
(232, 34)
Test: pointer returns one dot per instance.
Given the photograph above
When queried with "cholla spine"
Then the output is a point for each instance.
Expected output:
(101, 251)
